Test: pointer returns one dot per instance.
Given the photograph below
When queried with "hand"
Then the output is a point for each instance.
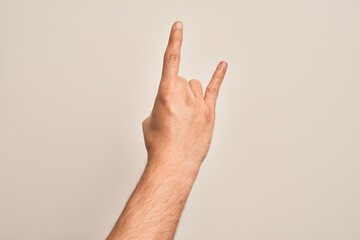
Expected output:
(180, 127)
(177, 135)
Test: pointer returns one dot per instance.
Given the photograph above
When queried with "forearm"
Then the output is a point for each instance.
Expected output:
(154, 208)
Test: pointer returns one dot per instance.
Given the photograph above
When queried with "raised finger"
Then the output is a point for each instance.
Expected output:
(212, 90)
(172, 54)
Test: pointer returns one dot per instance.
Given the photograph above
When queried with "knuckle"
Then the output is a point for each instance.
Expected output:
(164, 97)
(171, 57)
(210, 117)
(169, 107)
(166, 88)
(212, 89)
(182, 79)
(169, 90)
(207, 114)
(195, 82)
(190, 100)
(204, 116)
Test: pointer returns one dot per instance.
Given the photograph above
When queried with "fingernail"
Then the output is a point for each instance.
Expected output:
(224, 64)
(178, 25)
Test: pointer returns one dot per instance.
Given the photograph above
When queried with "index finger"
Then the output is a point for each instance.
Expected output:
(172, 54)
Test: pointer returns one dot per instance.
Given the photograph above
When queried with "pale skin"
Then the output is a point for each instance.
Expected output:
(177, 136)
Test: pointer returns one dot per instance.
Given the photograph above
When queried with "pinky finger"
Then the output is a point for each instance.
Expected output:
(212, 90)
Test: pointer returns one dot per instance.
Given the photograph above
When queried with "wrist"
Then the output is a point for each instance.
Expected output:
(176, 168)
